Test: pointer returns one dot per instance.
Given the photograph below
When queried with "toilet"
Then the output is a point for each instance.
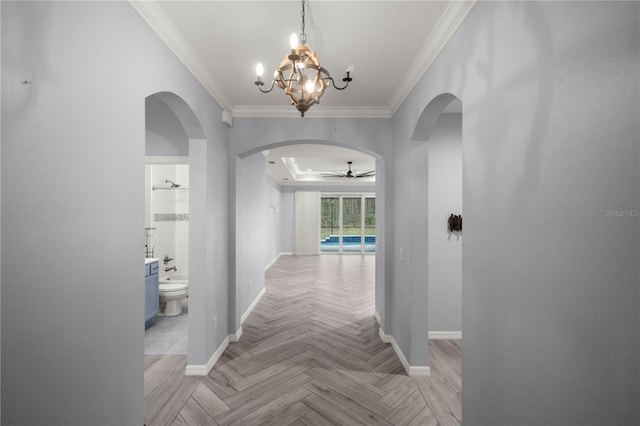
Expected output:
(171, 294)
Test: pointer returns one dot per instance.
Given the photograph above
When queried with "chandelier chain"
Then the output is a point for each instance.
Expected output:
(303, 35)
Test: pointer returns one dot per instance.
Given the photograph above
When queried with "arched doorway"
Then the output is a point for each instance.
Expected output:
(175, 137)
(240, 285)
(436, 250)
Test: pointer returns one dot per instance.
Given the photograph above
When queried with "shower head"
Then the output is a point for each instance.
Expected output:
(173, 184)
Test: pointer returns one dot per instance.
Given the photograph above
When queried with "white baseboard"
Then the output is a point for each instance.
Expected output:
(203, 370)
(246, 314)
(276, 259)
(233, 338)
(451, 335)
(411, 370)
(385, 337)
(415, 370)
(433, 335)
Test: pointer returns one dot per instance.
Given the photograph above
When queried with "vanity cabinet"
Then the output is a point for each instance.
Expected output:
(151, 295)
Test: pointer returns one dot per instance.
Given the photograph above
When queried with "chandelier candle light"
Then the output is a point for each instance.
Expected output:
(300, 74)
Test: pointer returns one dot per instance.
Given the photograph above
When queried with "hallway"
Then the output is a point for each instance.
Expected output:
(309, 354)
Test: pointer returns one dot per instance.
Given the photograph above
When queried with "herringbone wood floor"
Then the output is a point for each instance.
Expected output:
(310, 354)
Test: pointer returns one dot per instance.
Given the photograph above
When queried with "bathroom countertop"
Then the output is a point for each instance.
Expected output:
(149, 260)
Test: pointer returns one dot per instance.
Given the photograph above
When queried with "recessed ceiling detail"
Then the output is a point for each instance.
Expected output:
(310, 164)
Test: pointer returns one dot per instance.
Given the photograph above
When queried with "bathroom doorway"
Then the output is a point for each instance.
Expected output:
(169, 123)
(167, 239)
(175, 137)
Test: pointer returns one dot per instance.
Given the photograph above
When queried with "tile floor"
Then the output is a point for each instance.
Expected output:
(310, 354)
(167, 335)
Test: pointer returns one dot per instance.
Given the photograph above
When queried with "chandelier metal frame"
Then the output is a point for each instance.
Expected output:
(300, 74)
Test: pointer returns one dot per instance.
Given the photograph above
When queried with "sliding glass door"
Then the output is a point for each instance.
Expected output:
(369, 231)
(352, 224)
(348, 223)
(330, 224)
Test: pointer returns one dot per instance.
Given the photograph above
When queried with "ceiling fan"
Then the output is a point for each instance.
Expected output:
(350, 174)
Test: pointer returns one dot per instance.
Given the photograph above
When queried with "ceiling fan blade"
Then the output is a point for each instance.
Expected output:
(350, 174)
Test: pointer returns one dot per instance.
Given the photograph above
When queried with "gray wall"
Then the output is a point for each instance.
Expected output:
(404, 186)
(73, 146)
(273, 220)
(444, 247)
(550, 145)
(256, 228)
(165, 135)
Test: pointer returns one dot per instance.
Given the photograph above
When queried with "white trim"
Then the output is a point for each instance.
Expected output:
(384, 337)
(388, 338)
(227, 118)
(164, 27)
(419, 371)
(150, 159)
(376, 315)
(450, 335)
(235, 337)
(411, 370)
(447, 25)
(246, 314)
(318, 111)
(203, 370)
(275, 260)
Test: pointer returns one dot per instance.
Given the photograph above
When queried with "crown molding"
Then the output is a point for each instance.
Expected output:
(448, 23)
(160, 23)
(156, 18)
(317, 111)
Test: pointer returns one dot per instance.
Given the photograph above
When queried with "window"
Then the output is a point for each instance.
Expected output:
(348, 223)
(329, 223)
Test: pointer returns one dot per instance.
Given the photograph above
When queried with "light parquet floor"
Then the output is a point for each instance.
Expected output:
(309, 354)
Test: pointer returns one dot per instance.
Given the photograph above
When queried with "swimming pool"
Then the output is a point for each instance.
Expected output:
(350, 243)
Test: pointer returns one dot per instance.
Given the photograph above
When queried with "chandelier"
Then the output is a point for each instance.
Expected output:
(300, 74)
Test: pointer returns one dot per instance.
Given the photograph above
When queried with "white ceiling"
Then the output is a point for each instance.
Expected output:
(390, 44)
